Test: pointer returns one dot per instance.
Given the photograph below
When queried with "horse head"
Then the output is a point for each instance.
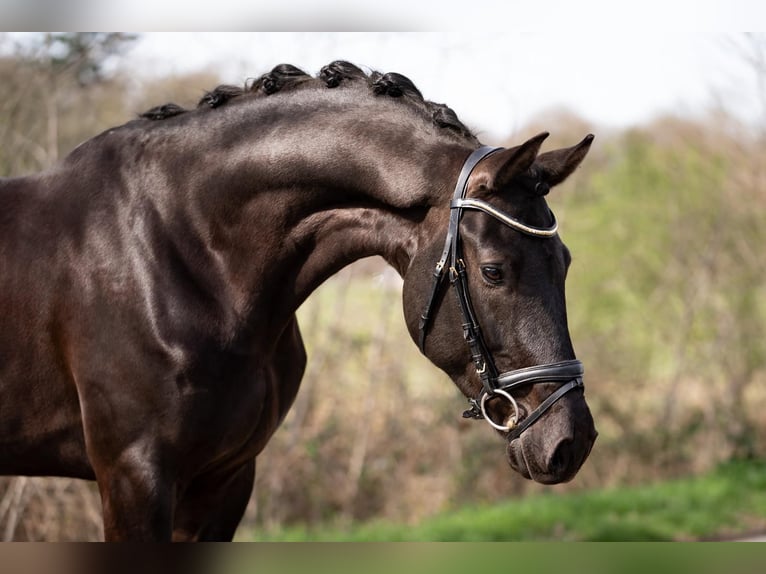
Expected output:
(503, 338)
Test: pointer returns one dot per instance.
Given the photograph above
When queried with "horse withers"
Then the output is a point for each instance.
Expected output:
(150, 282)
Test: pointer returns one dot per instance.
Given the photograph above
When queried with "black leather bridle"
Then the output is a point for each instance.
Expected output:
(570, 373)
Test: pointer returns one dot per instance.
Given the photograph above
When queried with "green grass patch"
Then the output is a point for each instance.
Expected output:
(724, 503)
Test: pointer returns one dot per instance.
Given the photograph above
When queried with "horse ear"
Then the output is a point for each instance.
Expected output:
(555, 166)
(504, 165)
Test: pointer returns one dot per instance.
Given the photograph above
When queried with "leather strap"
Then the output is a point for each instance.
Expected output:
(543, 407)
(480, 355)
(452, 237)
(552, 372)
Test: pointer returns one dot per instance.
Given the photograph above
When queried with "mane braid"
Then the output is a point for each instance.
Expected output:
(336, 72)
(445, 117)
(163, 112)
(286, 77)
(281, 77)
(394, 85)
(219, 96)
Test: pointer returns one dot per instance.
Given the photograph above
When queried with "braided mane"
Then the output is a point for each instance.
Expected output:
(286, 77)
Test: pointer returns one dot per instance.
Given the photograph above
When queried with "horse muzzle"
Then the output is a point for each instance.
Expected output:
(554, 451)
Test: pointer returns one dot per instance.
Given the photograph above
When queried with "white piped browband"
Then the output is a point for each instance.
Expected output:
(478, 204)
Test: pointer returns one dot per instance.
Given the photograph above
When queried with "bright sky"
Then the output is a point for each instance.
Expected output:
(496, 82)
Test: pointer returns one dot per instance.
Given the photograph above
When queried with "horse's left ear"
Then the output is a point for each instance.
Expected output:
(555, 166)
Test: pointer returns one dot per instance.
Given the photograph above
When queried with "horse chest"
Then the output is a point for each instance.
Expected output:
(235, 413)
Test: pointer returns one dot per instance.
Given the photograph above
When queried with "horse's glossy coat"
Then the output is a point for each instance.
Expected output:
(150, 281)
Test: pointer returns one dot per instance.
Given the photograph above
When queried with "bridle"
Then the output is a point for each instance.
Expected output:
(494, 384)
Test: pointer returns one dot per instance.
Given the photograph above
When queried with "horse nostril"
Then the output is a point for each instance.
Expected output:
(561, 458)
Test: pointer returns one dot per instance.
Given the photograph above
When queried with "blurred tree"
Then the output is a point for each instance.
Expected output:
(45, 83)
(740, 350)
(87, 56)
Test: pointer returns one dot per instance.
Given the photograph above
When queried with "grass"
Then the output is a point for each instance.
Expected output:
(727, 502)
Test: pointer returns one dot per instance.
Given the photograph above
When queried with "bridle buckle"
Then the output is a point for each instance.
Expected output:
(456, 270)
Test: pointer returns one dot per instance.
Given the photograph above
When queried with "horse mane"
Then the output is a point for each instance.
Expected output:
(286, 77)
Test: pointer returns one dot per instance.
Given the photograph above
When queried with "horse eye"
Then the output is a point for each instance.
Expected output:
(492, 274)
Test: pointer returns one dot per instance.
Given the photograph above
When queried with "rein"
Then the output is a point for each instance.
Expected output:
(494, 384)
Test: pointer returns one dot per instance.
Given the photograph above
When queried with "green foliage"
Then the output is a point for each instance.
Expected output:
(728, 502)
(637, 235)
(666, 294)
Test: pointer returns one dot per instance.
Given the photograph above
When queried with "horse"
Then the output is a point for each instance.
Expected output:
(150, 282)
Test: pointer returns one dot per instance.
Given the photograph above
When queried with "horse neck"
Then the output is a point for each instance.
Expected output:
(292, 208)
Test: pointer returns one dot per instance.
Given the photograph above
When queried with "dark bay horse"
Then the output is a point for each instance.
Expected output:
(149, 284)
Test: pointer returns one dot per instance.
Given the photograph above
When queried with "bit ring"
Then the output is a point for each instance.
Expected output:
(513, 419)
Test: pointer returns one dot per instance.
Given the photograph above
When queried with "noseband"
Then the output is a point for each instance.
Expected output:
(494, 384)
